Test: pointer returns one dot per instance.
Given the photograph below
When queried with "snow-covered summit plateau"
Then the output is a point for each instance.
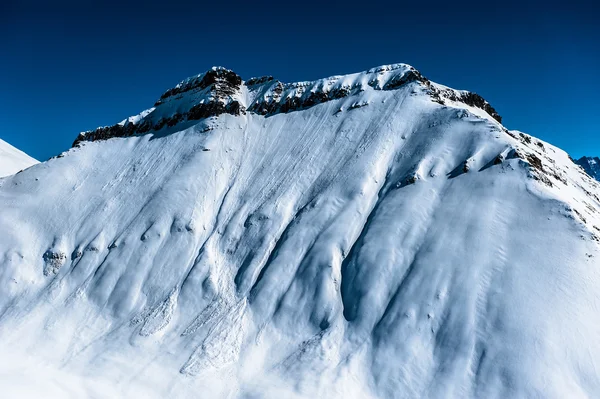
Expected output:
(373, 235)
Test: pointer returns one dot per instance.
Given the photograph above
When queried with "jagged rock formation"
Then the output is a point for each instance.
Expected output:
(210, 94)
(221, 91)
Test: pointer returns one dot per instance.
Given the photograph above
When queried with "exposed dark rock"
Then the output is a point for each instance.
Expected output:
(103, 133)
(217, 87)
(469, 98)
(144, 127)
(409, 77)
(175, 119)
(300, 100)
(228, 82)
(535, 161)
(359, 105)
(201, 111)
(221, 84)
(541, 145)
(273, 105)
(258, 81)
(580, 215)
(525, 138)
(412, 179)
(511, 134)
(53, 261)
(475, 100)
(466, 166)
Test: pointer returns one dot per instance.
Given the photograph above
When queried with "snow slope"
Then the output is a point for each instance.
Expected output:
(12, 160)
(385, 240)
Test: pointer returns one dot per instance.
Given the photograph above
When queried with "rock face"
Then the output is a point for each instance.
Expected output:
(591, 165)
(221, 91)
(466, 97)
(53, 261)
(222, 83)
(374, 235)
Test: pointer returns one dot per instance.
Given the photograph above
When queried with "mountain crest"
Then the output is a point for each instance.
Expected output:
(221, 91)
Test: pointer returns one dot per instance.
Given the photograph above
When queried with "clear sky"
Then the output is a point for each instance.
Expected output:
(73, 66)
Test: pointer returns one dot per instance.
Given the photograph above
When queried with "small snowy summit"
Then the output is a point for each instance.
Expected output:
(591, 165)
(13, 160)
(373, 235)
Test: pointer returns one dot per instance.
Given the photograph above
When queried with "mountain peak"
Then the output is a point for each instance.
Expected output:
(591, 165)
(221, 91)
(220, 80)
(13, 160)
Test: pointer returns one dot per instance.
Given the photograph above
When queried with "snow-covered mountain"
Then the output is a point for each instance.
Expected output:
(591, 165)
(373, 235)
(13, 160)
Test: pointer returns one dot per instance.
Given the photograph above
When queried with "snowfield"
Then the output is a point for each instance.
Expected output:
(13, 160)
(382, 243)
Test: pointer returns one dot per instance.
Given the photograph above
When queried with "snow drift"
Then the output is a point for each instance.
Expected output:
(369, 235)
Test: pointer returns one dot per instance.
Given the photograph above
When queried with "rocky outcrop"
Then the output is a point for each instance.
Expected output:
(474, 100)
(465, 97)
(275, 105)
(410, 76)
(259, 80)
(222, 82)
(210, 94)
(53, 260)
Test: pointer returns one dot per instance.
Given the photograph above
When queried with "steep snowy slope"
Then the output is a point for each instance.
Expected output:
(13, 160)
(373, 235)
(591, 165)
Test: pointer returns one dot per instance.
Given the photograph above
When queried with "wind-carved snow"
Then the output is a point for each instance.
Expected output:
(222, 344)
(208, 315)
(309, 247)
(157, 318)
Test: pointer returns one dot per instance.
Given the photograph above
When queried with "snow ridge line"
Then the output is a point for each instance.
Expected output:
(219, 91)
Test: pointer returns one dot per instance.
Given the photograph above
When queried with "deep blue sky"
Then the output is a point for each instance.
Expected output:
(70, 67)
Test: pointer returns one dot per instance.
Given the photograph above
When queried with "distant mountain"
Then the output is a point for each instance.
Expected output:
(372, 235)
(13, 160)
(591, 165)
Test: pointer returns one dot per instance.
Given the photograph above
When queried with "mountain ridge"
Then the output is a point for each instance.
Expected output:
(219, 91)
